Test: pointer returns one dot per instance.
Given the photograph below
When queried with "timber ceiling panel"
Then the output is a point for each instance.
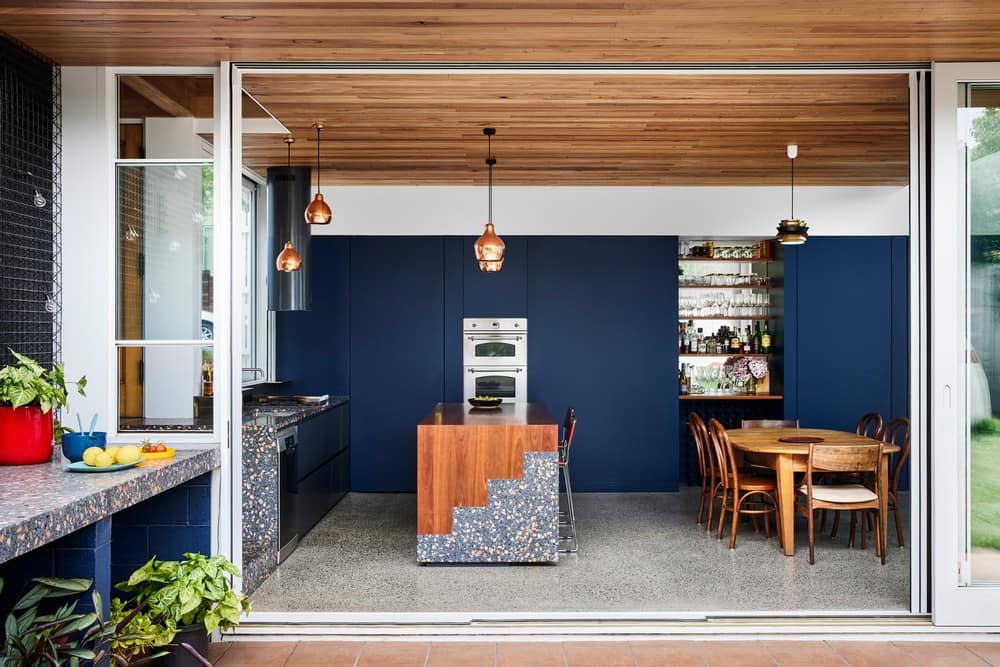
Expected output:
(590, 130)
(203, 32)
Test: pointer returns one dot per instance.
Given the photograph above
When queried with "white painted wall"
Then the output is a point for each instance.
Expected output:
(87, 252)
(597, 211)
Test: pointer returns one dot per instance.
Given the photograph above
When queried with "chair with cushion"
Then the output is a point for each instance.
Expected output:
(567, 519)
(869, 426)
(863, 460)
(706, 466)
(741, 493)
(769, 423)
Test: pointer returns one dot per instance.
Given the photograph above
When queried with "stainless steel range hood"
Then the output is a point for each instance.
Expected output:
(288, 190)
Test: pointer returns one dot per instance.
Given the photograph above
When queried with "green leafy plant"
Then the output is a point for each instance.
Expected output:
(27, 383)
(988, 426)
(63, 637)
(187, 592)
(136, 634)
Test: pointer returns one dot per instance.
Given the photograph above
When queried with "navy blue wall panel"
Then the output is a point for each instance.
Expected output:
(603, 338)
(846, 307)
(397, 354)
(456, 253)
(502, 294)
(313, 347)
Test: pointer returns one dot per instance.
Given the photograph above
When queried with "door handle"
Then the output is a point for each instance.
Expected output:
(494, 338)
(495, 371)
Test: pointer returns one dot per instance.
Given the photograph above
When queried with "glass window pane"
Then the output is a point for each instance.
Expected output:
(165, 387)
(979, 125)
(164, 266)
(249, 291)
(165, 117)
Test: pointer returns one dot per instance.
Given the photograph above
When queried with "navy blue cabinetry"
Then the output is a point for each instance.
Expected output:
(397, 354)
(321, 465)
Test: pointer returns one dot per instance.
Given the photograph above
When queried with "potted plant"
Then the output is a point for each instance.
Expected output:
(36, 635)
(182, 602)
(28, 396)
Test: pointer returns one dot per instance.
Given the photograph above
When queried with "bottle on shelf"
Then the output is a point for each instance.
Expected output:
(765, 340)
(702, 343)
(734, 341)
(680, 338)
(683, 383)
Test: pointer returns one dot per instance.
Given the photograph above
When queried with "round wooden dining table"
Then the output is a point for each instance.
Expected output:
(765, 447)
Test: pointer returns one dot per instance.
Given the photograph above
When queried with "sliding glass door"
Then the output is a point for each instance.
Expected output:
(965, 335)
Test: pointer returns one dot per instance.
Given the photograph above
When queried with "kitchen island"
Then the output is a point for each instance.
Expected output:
(487, 484)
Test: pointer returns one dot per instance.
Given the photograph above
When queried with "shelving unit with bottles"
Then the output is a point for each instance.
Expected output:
(729, 288)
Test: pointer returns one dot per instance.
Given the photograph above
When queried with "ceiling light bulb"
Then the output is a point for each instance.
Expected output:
(793, 151)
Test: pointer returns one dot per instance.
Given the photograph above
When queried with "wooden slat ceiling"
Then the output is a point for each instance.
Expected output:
(203, 32)
(590, 130)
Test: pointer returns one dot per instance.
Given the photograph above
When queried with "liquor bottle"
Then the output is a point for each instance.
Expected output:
(680, 338)
(755, 341)
(683, 381)
(765, 340)
(702, 343)
(734, 341)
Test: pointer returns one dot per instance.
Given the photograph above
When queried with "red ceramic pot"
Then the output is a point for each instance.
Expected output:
(25, 436)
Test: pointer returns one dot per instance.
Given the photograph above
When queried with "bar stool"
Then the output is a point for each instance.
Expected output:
(567, 519)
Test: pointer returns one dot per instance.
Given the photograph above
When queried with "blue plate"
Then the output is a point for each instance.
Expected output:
(80, 466)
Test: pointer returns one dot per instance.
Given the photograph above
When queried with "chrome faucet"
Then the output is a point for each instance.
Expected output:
(254, 371)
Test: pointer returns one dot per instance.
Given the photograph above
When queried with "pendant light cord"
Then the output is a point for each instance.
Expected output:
(489, 163)
(317, 160)
(289, 144)
(793, 188)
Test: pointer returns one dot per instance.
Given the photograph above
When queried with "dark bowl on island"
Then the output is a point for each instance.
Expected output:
(485, 402)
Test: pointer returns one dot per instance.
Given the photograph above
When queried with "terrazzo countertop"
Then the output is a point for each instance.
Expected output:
(281, 415)
(41, 503)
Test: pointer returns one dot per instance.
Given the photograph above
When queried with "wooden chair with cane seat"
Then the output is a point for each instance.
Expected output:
(897, 432)
(706, 466)
(869, 426)
(741, 493)
(864, 460)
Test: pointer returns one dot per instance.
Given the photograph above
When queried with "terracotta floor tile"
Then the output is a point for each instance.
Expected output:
(803, 654)
(393, 654)
(256, 654)
(598, 654)
(872, 654)
(735, 654)
(941, 654)
(462, 654)
(325, 654)
(677, 653)
(530, 654)
(988, 651)
(217, 649)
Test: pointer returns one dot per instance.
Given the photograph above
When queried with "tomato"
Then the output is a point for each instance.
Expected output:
(161, 447)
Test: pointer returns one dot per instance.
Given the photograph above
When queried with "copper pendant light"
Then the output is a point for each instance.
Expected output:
(489, 247)
(289, 259)
(792, 231)
(318, 212)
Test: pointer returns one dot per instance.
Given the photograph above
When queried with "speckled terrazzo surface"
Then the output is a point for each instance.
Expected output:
(41, 503)
(261, 424)
(518, 525)
(638, 552)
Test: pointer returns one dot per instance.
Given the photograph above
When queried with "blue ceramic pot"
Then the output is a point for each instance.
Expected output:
(75, 444)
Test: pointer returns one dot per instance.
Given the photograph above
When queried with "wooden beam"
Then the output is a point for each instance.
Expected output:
(159, 98)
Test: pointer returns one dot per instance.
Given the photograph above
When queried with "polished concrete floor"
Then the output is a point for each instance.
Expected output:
(651, 653)
(639, 552)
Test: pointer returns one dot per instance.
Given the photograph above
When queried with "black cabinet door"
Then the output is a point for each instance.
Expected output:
(317, 442)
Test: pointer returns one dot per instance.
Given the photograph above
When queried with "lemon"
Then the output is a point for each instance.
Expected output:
(103, 460)
(90, 455)
(127, 454)
(113, 451)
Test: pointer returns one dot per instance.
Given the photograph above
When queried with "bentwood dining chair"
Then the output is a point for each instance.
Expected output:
(869, 426)
(567, 519)
(863, 460)
(897, 432)
(742, 493)
(706, 467)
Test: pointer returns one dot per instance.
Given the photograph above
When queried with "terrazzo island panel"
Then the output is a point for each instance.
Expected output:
(487, 485)
(41, 503)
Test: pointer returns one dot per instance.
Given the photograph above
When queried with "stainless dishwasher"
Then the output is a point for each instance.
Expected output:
(288, 537)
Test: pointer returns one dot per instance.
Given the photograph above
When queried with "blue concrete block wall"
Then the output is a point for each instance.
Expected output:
(165, 526)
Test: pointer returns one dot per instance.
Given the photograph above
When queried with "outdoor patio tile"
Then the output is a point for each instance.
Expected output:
(217, 649)
(667, 653)
(872, 654)
(325, 654)
(735, 654)
(941, 654)
(988, 651)
(394, 654)
(256, 654)
(802, 654)
(462, 654)
(530, 654)
(598, 654)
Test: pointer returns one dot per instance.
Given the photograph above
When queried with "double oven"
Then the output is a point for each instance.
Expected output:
(495, 357)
